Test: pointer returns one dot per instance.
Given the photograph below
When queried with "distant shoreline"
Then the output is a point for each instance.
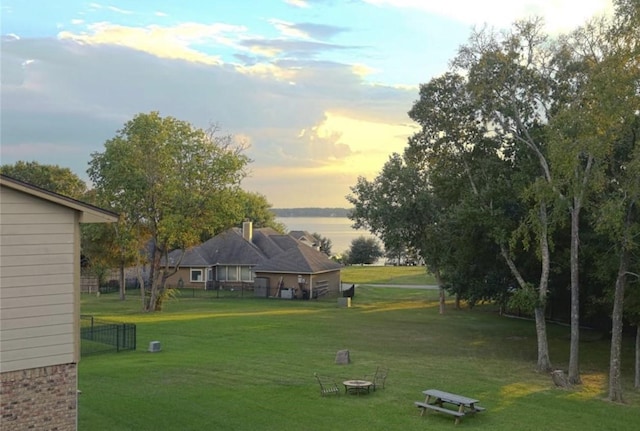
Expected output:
(311, 212)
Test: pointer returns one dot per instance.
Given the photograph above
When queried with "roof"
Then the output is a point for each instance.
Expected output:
(299, 259)
(88, 213)
(268, 251)
(227, 248)
(304, 236)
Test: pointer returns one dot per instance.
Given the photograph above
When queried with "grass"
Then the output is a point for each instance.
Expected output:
(416, 275)
(248, 364)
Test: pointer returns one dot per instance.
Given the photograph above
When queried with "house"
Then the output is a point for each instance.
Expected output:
(40, 305)
(263, 259)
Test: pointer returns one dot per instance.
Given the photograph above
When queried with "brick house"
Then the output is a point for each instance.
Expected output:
(261, 258)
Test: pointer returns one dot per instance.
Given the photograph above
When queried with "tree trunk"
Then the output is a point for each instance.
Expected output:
(142, 289)
(574, 345)
(436, 274)
(636, 382)
(544, 362)
(615, 367)
(122, 281)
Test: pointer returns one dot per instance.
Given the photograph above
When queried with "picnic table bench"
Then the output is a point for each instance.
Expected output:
(436, 399)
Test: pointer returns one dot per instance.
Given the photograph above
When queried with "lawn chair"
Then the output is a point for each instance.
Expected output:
(327, 386)
(379, 377)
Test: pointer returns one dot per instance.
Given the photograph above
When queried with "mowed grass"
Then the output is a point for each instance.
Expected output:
(416, 275)
(248, 364)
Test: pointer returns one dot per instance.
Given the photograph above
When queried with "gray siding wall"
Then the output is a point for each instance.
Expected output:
(39, 254)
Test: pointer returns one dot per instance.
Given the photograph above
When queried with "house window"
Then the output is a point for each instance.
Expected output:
(235, 273)
(222, 273)
(246, 274)
(232, 273)
(196, 275)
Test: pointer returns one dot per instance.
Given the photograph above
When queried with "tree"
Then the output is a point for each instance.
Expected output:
(399, 207)
(257, 209)
(49, 177)
(617, 109)
(510, 80)
(171, 182)
(364, 251)
(324, 243)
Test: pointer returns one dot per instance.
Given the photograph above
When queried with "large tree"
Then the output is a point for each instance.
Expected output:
(364, 251)
(510, 80)
(171, 182)
(257, 209)
(49, 177)
(617, 115)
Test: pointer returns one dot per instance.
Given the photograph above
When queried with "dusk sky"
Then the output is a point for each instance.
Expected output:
(318, 89)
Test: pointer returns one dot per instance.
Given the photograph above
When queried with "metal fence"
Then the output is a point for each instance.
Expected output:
(100, 336)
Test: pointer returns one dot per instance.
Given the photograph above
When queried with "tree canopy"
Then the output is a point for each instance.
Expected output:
(173, 183)
(49, 177)
(364, 251)
(522, 179)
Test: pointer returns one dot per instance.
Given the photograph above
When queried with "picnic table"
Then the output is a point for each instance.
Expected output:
(439, 400)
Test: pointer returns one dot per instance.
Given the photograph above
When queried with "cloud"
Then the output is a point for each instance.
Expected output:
(559, 15)
(165, 42)
(307, 30)
(297, 3)
(66, 97)
(289, 48)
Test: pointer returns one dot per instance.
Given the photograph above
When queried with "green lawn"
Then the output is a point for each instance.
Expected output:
(248, 364)
(387, 275)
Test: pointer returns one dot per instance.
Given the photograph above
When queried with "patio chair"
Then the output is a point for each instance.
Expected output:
(327, 386)
(379, 377)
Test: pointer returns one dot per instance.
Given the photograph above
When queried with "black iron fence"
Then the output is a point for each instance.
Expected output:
(100, 336)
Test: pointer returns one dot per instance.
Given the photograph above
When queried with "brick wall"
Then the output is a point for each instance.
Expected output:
(39, 399)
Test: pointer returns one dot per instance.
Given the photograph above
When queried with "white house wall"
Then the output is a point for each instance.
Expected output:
(39, 254)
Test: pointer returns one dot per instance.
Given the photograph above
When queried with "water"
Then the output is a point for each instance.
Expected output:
(337, 229)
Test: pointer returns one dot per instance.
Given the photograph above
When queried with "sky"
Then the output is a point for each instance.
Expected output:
(317, 90)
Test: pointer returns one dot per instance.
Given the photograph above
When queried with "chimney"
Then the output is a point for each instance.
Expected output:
(247, 230)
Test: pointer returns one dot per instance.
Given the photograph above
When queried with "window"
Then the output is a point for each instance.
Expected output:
(246, 274)
(196, 276)
(222, 273)
(232, 273)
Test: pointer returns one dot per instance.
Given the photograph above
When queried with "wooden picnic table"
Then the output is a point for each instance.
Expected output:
(436, 399)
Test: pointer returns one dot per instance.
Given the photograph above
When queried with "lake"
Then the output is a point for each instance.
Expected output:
(337, 229)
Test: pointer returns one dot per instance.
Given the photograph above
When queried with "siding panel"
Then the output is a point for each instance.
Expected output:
(38, 352)
(37, 311)
(51, 238)
(30, 285)
(38, 344)
(45, 259)
(35, 322)
(36, 270)
(36, 301)
(37, 331)
(29, 363)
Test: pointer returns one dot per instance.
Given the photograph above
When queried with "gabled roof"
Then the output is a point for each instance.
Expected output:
(88, 213)
(305, 237)
(268, 251)
(227, 248)
(299, 259)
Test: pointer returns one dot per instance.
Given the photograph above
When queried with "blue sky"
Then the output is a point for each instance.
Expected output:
(318, 90)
